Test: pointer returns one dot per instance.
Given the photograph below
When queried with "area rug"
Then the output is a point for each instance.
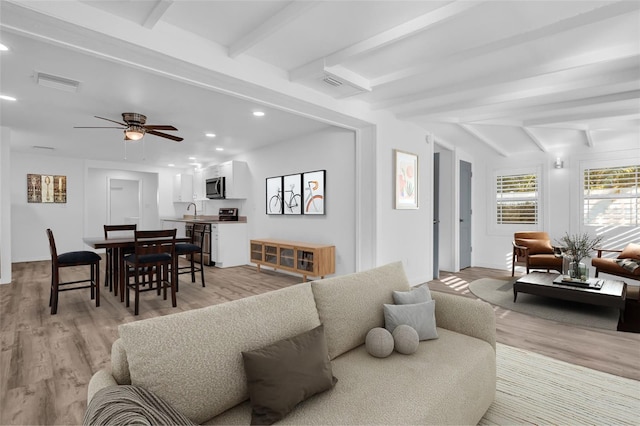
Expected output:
(500, 293)
(535, 389)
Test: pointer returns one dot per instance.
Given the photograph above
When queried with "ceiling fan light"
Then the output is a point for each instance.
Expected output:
(134, 133)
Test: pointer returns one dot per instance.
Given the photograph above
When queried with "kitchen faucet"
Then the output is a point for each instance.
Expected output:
(195, 210)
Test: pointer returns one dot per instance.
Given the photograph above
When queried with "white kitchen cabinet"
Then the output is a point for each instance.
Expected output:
(183, 188)
(236, 177)
(199, 187)
(229, 244)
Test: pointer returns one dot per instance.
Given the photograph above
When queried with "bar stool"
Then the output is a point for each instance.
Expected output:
(73, 258)
(154, 250)
(113, 256)
(191, 249)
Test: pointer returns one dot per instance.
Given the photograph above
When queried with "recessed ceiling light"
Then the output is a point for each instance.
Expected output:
(258, 113)
(7, 98)
(210, 135)
(3, 47)
(192, 158)
(219, 149)
(171, 165)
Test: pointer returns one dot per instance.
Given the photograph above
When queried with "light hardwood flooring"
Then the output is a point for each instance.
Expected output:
(46, 360)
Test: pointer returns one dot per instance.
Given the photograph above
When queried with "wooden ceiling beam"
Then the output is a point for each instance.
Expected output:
(156, 13)
(285, 15)
(491, 144)
(568, 24)
(385, 38)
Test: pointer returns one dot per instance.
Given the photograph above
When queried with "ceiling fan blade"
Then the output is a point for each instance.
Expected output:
(113, 121)
(158, 127)
(165, 135)
(94, 127)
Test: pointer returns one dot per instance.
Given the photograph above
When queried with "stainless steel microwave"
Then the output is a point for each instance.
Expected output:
(215, 188)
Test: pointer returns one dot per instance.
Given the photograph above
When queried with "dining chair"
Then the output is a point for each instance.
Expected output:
(192, 249)
(113, 255)
(73, 258)
(155, 250)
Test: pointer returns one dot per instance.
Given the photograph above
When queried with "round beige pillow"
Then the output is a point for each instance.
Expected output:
(405, 339)
(379, 342)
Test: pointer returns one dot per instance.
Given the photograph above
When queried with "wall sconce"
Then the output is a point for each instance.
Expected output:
(559, 164)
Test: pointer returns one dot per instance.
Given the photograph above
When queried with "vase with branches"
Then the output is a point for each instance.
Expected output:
(577, 247)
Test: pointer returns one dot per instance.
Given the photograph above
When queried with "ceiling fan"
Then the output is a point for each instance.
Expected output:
(135, 128)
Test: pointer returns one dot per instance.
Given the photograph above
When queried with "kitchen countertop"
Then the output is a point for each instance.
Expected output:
(203, 219)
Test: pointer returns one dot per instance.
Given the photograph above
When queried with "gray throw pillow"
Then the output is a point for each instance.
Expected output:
(415, 295)
(420, 316)
(285, 373)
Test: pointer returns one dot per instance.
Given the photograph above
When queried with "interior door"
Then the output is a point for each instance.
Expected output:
(436, 215)
(465, 214)
(124, 202)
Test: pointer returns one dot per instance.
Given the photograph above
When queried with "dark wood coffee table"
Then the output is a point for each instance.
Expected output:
(612, 293)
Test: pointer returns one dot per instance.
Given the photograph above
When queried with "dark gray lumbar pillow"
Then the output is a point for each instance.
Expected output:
(285, 373)
(420, 316)
(415, 295)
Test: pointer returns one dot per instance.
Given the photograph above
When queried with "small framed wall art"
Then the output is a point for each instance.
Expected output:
(46, 188)
(274, 195)
(313, 186)
(405, 179)
(292, 198)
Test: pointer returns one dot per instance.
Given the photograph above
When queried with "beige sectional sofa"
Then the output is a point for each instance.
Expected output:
(193, 359)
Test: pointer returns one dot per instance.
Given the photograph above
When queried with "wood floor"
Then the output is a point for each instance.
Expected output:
(47, 360)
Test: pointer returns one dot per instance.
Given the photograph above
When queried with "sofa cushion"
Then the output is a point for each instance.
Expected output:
(536, 246)
(415, 295)
(285, 373)
(610, 266)
(631, 251)
(193, 359)
(629, 264)
(351, 305)
(419, 316)
(450, 380)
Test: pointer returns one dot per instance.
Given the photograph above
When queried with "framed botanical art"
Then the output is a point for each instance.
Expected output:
(292, 194)
(405, 179)
(274, 195)
(313, 187)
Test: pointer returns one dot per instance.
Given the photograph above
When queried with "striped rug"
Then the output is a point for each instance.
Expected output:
(535, 389)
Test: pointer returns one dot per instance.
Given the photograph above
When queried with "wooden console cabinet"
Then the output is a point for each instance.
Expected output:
(316, 260)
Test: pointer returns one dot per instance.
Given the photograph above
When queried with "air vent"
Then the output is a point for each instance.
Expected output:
(48, 148)
(56, 82)
(332, 81)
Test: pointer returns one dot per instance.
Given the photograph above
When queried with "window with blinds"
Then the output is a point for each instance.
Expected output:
(612, 196)
(517, 199)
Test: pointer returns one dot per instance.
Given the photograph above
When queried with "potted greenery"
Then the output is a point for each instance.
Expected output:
(576, 248)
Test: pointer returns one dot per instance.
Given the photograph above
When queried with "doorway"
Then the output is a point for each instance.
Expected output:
(123, 204)
(436, 215)
(465, 214)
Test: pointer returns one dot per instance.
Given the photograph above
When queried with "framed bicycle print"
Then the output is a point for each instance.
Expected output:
(406, 179)
(292, 194)
(274, 195)
(313, 192)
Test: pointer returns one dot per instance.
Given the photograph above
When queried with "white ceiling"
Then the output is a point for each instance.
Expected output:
(516, 76)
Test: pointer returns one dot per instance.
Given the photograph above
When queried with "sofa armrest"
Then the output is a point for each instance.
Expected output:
(601, 250)
(101, 379)
(474, 318)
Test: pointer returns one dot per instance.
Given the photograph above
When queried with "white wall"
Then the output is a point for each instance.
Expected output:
(5, 206)
(561, 200)
(332, 150)
(69, 221)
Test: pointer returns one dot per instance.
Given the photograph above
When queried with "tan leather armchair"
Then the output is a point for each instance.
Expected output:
(611, 266)
(534, 250)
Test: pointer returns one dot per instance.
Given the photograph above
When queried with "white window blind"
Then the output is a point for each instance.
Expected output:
(517, 199)
(612, 196)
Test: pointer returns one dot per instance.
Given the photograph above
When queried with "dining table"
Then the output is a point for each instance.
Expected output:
(119, 245)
